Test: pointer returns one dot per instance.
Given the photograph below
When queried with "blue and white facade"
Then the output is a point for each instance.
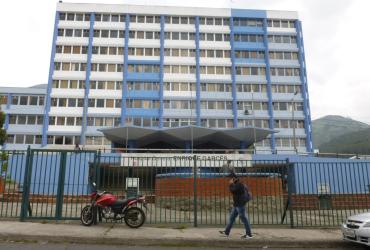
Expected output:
(159, 66)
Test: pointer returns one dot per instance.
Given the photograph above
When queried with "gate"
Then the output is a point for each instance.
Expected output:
(55, 183)
(193, 189)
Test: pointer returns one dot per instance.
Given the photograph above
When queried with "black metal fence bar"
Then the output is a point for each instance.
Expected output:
(184, 188)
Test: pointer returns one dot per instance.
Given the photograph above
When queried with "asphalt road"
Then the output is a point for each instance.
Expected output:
(67, 246)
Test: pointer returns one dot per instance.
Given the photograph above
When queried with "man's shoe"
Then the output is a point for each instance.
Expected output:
(246, 237)
(223, 234)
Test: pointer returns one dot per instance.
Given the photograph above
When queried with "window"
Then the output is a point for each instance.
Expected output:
(100, 103)
(19, 139)
(33, 100)
(23, 100)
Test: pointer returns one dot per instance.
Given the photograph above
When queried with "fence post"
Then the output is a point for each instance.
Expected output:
(195, 192)
(60, 191)
(290, 180)
(26, 184)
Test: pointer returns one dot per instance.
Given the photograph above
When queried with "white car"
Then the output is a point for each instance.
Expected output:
(357, 229)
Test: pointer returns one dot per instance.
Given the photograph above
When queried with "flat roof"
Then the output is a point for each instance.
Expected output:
(170, 9)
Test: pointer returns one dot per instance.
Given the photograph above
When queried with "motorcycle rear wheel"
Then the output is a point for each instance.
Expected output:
(134, 217)
(87, 217)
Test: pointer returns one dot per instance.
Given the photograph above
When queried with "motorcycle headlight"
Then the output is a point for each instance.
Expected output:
(367, 224)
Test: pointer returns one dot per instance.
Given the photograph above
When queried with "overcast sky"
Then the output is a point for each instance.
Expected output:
(336, 36)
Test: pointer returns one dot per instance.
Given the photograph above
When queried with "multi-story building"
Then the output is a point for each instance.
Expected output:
(160, 66)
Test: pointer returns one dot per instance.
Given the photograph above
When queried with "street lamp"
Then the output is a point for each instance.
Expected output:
(293, 121)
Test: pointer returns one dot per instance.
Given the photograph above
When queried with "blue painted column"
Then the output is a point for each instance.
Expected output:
(268, 79)
(50, 83)
(125, 72)
(87, 80)
(233, 74)
(197, 70)
(161, 73)
(8, 103)
(303, 76)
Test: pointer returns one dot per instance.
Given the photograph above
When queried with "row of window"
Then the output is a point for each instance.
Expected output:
(104, 50)
(282, 39)
(91, 121)
(74, 17)
(259, 123)
(286, 88)
(285, 106)
(66, 49)
(56, 139)
(176, 20)
(276, 55)
(174, 69)
(67, 102)
(247, 22)
(145, 104)
(249, 54)
(248, 38)
(289, 124)
(110, 18)
(26, 119)
(24, 139)
(106, 67)
(143, 68)
(177, 104)
(67, 66)
(171, 86)
(142, 121)
(73, 32)
(144, 34)
(285, 71)
(176, 36)
(65, 121)
(69, 84)
(143, 51)
(255, 71)
(170, 104)
(289, 142)
(190, 69)
(28, 100)
(146, 86)
(281, 23)
(109, 34)
(249, 106)
(109, 85)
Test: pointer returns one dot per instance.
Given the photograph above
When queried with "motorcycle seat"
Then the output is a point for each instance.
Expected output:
(122, 203)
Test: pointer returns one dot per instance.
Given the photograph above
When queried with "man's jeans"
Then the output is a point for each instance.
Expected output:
(234, 213)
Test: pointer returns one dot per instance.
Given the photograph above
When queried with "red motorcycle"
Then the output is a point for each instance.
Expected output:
(107, 206)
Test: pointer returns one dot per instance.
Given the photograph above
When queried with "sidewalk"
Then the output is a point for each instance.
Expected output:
(120, 234)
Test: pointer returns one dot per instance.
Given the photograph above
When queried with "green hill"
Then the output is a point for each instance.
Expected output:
(331, 127)
(352, 143)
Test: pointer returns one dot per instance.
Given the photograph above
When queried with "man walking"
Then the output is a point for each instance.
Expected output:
(238, 191)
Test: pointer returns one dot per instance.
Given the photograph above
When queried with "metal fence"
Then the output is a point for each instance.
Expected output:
(183, 188)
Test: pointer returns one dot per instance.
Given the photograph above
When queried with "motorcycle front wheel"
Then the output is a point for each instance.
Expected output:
(87, 216)
(134, 217)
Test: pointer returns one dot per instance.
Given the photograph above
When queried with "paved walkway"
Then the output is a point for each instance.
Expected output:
(158, 236)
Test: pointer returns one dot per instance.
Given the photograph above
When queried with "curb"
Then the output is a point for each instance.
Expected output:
(180, 242)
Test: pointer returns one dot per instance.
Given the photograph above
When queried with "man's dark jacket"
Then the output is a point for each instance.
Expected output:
(238, 190)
